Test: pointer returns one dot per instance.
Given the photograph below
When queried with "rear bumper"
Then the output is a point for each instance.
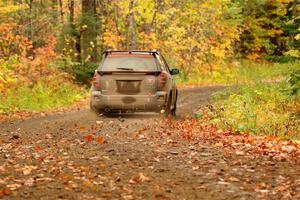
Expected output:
(154, 102)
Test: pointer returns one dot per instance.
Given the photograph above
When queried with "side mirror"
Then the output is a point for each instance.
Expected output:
(92, 73)
(174, 71)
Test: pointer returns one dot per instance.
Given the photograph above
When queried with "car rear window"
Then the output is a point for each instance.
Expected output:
(129, 62)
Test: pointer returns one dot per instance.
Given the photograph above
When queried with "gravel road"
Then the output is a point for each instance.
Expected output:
(79, 155)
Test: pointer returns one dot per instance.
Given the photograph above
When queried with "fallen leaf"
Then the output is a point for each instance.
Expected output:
(4, 192)
(219, 144)
(28, 169)
(127, 197)
(132, 181)
(282, 188)
(29, 182)
(81, 129)
(2, 169)
(38, 148)
(139, 179)
(223, 183)
(100, 139)
(239, 153)
(143, 178)
(233, 179)
(88, 138)
(13, 186)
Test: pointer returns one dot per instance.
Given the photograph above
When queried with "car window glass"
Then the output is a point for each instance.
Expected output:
(161, 63)
(165, 63)
(135, 63)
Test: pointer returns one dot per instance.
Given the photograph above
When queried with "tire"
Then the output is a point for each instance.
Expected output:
(95, 110)
(173, 111)
(168, 110)
(92, 108)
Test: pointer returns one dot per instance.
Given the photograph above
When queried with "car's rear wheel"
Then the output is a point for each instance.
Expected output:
(169, 110)
(173, 110)
(92, 108)
(95, 110)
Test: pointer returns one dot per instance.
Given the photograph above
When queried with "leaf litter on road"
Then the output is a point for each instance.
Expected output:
(146, 153)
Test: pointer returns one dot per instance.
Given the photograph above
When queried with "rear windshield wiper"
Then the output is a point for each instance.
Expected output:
(123, 68)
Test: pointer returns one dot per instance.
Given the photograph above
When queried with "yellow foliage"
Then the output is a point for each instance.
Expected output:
(6, 9)
(7, 77)
(191, 33)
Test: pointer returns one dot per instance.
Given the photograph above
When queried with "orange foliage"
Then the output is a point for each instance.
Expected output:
(11, 42)
(23, 65)
(30, 69)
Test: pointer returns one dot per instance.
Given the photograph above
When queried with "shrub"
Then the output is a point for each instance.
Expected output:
(34, 83)
(294, 81)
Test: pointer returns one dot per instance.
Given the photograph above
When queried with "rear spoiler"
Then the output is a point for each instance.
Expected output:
(153, 52)
(156, 73)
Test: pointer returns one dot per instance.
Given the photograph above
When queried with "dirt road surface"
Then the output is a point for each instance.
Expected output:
(79, 155)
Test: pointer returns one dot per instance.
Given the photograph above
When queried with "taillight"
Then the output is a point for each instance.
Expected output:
(162, 80)
(96, 81)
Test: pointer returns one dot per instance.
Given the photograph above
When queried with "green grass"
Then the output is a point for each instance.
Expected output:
(42, 96)
(243, 72)
(259, 100)
(260, 109)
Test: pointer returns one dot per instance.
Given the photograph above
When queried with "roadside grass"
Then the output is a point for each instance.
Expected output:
(36, 84)
(44, 95)
(261, 103)
(262, 108)
(242, 72)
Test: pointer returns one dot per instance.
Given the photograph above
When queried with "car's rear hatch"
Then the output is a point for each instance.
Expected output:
(126, 83)
(129, 74)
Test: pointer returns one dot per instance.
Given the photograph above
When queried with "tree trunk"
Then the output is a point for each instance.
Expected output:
(132, 40)
(71, 17)
(294, 8)
(31, 37)
(89, 33)
(61, 11)
(158, 9)
(117, 19)
(74, 33)
(294, 14)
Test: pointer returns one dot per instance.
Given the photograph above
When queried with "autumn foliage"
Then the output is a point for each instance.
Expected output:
(26, 71)
(199, 37)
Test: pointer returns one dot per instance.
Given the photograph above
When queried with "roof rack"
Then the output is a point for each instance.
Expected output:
(154, 51)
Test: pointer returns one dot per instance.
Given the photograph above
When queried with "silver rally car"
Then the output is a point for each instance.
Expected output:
(131, 81)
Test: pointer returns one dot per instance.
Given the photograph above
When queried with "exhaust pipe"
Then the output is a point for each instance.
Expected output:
(107, 110)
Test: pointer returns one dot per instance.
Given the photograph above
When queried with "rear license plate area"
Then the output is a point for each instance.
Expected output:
(128, 87)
